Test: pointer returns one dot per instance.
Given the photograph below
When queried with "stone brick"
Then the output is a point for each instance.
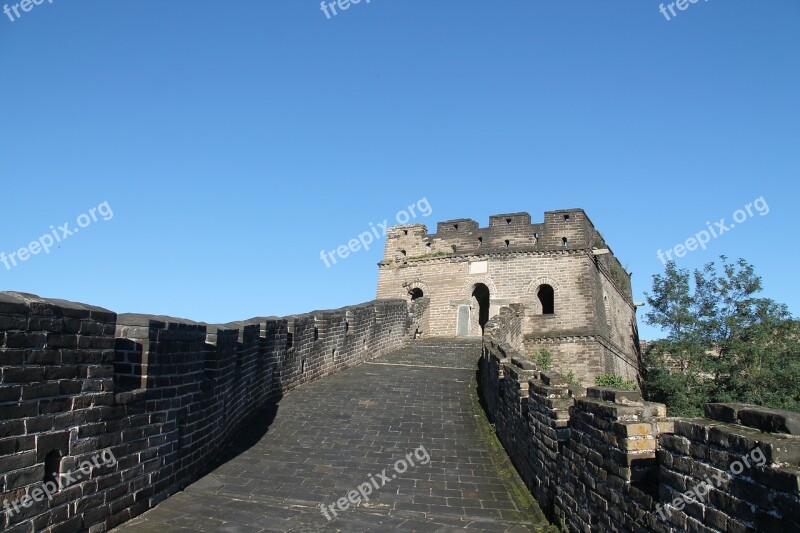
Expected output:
(770, 420)
(62, 365)
(589, 331)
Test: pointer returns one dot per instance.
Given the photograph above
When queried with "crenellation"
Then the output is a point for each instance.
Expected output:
(164, 395)
(456, 227)
(603, 459)
(514, 220)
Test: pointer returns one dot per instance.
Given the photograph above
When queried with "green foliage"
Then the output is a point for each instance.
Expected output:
(572, 380)
(615, 381)
(724, 343)
(599, 241)
(543, 359)
(426, 256)
(620, 276)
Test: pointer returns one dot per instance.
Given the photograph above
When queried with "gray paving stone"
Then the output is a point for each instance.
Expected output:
(331, 436)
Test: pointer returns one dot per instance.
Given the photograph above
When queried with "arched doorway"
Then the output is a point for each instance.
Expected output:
(419, 299)
(480, 305)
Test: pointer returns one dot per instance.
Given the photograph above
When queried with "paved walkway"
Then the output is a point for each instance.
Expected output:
(330, 436)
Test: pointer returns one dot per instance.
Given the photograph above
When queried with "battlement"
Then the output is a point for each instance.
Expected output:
(600, 459)
(566, 229)
(165, 395)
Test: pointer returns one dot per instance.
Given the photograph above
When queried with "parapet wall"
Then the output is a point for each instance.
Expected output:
(507, 327)
(561, 231)
(605, 460)
(565, 229)
(164, 395)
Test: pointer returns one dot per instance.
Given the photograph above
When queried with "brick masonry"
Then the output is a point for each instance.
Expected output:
(605, 460)
(165, 395)
(593, 328)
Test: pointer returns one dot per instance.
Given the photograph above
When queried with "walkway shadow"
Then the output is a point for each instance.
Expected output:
(253, 430)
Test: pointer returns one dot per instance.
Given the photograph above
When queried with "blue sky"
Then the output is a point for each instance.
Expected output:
(234, 141)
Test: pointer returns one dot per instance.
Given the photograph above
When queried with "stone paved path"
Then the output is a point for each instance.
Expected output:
(328, 437)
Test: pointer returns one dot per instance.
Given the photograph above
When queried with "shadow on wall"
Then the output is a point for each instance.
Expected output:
(252, 433)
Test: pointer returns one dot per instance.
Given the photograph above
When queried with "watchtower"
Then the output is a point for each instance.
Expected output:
(575, 294)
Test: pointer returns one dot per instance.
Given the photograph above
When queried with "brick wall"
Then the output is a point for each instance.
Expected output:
(56, 392)
(164, 395)
(593, 327)
(507, 327)
(605, 460)
(722, 448)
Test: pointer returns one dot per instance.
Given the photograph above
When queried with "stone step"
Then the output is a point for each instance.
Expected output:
(437, 352)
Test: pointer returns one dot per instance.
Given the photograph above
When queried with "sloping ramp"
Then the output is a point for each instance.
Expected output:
(334, 435)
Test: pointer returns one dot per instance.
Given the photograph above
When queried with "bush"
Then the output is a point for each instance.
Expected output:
(615, 382)
(543, 359)
(572, 380)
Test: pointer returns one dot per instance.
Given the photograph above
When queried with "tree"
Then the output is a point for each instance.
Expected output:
(724, 342)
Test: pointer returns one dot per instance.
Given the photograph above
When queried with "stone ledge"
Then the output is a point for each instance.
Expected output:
(133, 396)
(753, 416)
(619, 412)
(30, 304)
(620, 396)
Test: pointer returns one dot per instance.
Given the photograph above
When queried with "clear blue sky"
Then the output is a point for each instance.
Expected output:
(235, 140)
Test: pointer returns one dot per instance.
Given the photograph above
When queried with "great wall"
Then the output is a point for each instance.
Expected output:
(168, 396)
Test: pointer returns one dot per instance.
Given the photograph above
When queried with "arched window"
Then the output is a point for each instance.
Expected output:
(547, 298)
(416, 293)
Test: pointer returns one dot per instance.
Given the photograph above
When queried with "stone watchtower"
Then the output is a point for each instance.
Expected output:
(575, 295)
